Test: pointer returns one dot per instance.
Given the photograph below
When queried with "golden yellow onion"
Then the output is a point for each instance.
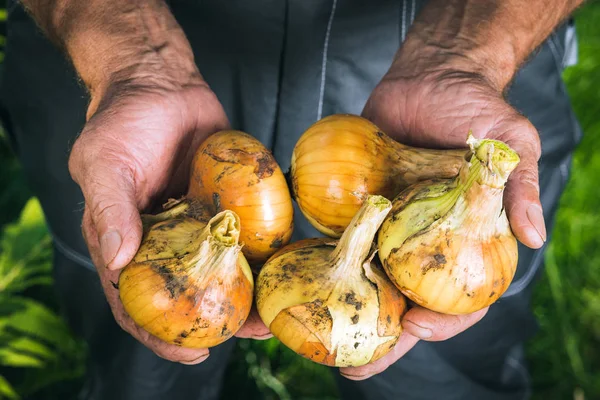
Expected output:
(189, 284)
(234, 171)
(447, 244)
(329, 301)
(341, 159)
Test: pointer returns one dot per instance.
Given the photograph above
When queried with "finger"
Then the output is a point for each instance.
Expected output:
(432, 326)
(523, 207)
(405, 343)
(254, 328)
(109, 193)
(165, 350)
(522, 202)
(522, 195)
(198, 360)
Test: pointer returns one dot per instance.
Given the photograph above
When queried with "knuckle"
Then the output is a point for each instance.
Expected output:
(533, 138)
(527, 133)
(95, 156)
(447, 326)
(110, 189)
(451, 325)
(74, 164)
(528, 176)
(456, 322)
(104, 209)
(162, 352)
(515, 128)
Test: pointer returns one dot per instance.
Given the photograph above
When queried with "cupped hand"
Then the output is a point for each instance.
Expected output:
(437, 110)
(134, 152)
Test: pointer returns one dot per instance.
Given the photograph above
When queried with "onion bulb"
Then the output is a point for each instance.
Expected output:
(341, 159)
(234, 171)
(447, 244)
(328, 300)
(189, 284)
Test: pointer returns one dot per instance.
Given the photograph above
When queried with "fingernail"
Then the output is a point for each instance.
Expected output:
(264, 336)
(196, 361)
(418, 330)
(536, 217)
(109, 246)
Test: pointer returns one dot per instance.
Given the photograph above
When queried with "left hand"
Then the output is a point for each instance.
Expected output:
(133, 153)
(436, 109)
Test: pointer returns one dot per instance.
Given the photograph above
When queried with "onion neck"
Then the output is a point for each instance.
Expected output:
(492, 161)
(219, 246)
(412, 164)
(490, 165)
(176, 208)
(224, 227)
(438, 159)
(172, 209)
(354, 247)
(481, 183)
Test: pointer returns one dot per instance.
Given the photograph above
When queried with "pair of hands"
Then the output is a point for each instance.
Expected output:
(141, 134)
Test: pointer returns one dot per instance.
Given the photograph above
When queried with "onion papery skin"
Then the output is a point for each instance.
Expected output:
(234, 171)
(341, 159)
(332, 305)
(447, 244)
(189, 284)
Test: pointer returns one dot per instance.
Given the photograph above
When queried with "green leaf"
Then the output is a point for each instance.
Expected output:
(25, 251)
(32, 215)
(28, 317)
(6, 390)
(33, 347)
(33, 337)
(12, 358)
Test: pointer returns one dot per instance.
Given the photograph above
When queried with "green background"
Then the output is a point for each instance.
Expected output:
(39, 358)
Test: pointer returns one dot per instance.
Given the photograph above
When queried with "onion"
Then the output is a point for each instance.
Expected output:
(341, 159)
(189, 284)
(330, 301)
(447, 244)
(234, 171)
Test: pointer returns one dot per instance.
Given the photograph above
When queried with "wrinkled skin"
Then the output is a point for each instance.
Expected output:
(132, 155)
(437, 110)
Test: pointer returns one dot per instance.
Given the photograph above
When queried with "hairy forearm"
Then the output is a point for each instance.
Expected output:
(109, 40)
(490, 38)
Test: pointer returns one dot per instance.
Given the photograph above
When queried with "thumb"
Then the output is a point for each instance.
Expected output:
(522, 195)
(109, 194)
(523, 206)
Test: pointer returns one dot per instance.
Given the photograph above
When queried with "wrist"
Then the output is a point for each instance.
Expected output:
(129, 42)
(490, 64)
(163, 67)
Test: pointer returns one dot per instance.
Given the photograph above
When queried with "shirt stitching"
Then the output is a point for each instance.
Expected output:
(324, 62)
(403, 30)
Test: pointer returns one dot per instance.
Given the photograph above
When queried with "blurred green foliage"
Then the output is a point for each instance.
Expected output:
(565, 355)
(13, 189)
(39, 358)
(35, 343)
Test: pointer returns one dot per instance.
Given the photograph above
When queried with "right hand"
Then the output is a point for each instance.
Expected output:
(134, 152)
